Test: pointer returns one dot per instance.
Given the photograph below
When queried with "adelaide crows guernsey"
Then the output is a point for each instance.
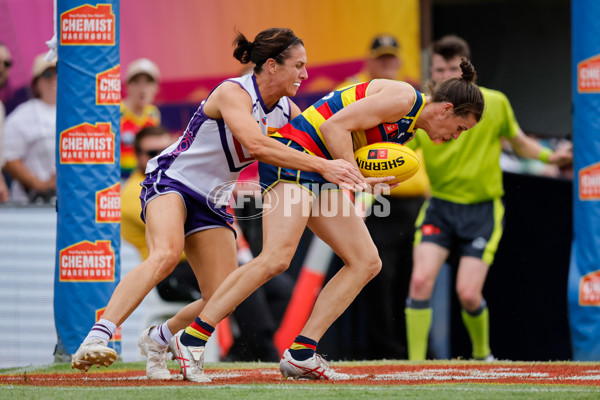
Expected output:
(305, 131)
(207, 158)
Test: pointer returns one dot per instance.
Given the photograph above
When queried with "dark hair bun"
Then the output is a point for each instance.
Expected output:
(243, 49)
(468, 70)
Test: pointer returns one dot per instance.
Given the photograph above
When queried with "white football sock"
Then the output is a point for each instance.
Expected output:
(103, 329)
(161, 334)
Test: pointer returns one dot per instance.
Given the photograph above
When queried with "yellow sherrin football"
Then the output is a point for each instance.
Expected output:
(387, 159)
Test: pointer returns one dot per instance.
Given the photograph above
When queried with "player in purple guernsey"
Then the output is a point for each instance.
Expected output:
(208, 155)
(188, 185)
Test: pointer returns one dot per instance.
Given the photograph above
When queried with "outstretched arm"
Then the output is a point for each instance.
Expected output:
(527, 147)
(235, 107)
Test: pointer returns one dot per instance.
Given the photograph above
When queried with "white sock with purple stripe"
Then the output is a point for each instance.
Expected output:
(103, 329)
(161, 334)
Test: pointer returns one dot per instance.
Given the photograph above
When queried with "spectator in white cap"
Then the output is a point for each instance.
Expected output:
(30, 139)
(137, 109)
(383, 61)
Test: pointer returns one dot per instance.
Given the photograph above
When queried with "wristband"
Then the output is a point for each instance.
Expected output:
(544, 155)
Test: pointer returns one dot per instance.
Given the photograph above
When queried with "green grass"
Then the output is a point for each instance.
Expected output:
(308, 391)
(283, 391)
(65, 368)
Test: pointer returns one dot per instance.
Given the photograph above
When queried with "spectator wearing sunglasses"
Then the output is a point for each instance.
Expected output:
(30, 139)
(5, 64)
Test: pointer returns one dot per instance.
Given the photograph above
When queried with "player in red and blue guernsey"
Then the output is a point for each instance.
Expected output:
(332, 129)
(304, 132)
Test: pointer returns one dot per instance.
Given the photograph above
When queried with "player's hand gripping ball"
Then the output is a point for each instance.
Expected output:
(387, 159)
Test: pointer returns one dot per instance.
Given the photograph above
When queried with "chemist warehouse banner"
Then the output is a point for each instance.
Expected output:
(584, 275)
(88, 173)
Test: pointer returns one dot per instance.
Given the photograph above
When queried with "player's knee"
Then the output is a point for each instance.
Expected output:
(274, 264)
(163, 270)
(368, 266)
(277, 267)
(421, 285)
(164, 262)
(373, 267)
(469, 299)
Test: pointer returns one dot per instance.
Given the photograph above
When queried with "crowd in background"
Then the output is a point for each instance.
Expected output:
(28, 161)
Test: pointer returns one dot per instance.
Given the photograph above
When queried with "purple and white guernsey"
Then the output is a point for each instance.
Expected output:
(207, 158)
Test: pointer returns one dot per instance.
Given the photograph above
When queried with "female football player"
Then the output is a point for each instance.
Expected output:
(332, 128)
(179, 202)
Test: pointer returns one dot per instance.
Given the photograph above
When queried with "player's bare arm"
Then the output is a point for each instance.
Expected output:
(386, 101)
(235, 108)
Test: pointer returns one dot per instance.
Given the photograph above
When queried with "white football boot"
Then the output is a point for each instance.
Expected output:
(190, 359)
(156, 354)
(313, 368)
(93, 352)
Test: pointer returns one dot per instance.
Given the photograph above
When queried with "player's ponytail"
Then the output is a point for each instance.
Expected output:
(468, 70)
(462, 92)
(274, 43)
(243, 49)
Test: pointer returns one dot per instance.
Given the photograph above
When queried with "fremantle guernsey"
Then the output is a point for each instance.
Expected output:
(305, 131)
(207, 158)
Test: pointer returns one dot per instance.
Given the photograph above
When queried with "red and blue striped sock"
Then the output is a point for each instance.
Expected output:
(303, 348)
(197, 334)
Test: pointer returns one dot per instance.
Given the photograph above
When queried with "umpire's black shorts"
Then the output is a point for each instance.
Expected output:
(475, 229)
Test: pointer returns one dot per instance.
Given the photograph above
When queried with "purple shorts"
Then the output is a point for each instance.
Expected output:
(201, 214)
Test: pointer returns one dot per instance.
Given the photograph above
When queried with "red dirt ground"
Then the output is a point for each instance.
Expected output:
(498, 373)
